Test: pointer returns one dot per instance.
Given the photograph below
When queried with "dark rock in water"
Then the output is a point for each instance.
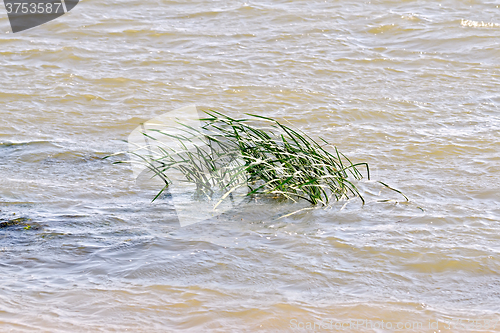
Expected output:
(21, 221)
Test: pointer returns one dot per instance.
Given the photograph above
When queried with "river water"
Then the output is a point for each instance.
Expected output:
(411, 87)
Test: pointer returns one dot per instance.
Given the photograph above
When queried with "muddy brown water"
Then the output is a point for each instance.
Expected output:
(411, 87)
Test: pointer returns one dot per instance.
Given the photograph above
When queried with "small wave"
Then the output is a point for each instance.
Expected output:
(477, 24)
(28, 143)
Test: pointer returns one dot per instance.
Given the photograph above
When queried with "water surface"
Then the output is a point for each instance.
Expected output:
(411, 87)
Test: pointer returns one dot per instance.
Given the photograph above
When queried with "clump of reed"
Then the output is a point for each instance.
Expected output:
(260, 153)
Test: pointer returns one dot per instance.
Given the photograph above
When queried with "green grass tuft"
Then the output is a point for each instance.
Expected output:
(269, 158)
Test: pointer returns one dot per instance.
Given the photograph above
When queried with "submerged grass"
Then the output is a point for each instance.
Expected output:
(260, 153)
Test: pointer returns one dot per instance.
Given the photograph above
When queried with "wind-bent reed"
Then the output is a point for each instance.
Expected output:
(274, 160)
